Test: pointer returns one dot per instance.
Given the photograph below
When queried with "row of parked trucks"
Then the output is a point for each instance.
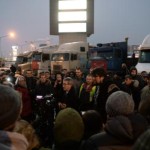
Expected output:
(68, 56)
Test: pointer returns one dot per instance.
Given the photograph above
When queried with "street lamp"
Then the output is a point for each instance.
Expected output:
(11, 35)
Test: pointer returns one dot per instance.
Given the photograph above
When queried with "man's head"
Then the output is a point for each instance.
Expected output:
(29, 73)
(133, 71)
(10, 107)
(67, 83)
(47, 74)
(78, 72)
(128, 80)
(89, 79)
(98, 74)
(59, 77)
(43, 78)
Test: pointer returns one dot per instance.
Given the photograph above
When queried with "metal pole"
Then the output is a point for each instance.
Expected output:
(1, 52)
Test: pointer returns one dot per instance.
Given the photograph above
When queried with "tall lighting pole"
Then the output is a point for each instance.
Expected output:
(1, 37)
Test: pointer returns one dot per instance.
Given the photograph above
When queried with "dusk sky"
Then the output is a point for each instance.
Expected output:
(114, 20)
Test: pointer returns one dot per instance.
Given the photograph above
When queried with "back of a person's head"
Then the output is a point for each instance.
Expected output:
(68, 129)
(144, 106)
(92, 122)
(113, 88)
(119, 103)
(10, 107)
(26, 129)
(99, 72)
(143, 142)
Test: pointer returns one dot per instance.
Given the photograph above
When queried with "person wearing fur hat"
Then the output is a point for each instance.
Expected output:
(123, 125)
(68, 130)
(10, 108)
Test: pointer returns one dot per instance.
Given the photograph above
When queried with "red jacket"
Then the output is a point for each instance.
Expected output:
(26, 101)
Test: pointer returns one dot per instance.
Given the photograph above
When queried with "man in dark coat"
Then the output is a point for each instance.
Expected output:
(70, 98)
(44, 109)
(102, 84)
(43, 86)
(132, 87)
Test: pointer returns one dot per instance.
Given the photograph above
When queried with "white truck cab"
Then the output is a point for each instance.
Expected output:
(144, 56)
(69, 56)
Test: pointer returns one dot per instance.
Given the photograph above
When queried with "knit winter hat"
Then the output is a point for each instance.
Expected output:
(68, 127)
(143, 142)
(10, 106)
(119, 103)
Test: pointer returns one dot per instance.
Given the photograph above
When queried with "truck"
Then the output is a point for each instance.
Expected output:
(111, 56)
(81, 54)
(144, 56)
(38, 60)
(69, 56)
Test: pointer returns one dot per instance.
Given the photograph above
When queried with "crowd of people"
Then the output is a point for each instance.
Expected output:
(75, 111)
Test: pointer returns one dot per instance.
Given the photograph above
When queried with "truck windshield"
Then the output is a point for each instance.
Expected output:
(37, 57)
(21, 60)
(144, 56)
(60, 57)
(104, 54)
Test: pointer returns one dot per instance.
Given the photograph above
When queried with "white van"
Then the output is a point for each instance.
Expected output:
(144, 56)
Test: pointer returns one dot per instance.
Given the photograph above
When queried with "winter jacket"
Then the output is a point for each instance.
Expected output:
(86, 96)
(43, 89)
(100, 97)
(70, 99)
(118, 131)
(26, 101)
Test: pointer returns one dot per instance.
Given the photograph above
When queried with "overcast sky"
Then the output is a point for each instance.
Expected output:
(114, 20)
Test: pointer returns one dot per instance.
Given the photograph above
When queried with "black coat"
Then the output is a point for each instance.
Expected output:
(119, 130)
(101, 96)
(44, 88)
(70, 99)
(135, 92)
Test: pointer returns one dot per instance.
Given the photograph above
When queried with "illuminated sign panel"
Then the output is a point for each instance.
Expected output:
(71, 16)
(72, 27)
(72, 4)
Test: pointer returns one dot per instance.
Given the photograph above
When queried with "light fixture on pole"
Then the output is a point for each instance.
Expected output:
(8, 35)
